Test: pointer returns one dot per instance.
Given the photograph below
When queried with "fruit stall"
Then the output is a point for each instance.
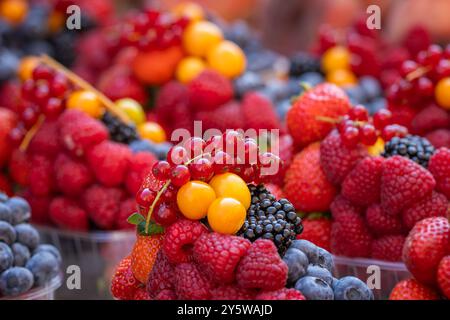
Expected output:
(174, 150)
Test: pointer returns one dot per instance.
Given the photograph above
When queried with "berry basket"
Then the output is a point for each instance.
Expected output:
(96, 253)
(46, 292)
(390, 272)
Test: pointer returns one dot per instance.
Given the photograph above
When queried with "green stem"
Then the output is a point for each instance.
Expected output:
(152, 207)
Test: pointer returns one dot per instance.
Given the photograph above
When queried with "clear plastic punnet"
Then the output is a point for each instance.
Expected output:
(46, 292)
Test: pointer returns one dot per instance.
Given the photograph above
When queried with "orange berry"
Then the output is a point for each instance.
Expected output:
(56, 21)
(86, 101)
(13, 11)
(189, 68)
(152, 131)
(230, 185)
(342, 77)
(194, 199)
(442, 93)
(226, 215)
(144, 254)
(26, 67)
(335, 58)
(190, 10)
(227, 58)
(199, 37)
(133, 109)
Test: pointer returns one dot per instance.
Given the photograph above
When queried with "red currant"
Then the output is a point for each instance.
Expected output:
(53, 107)
(177, 155)
(248, 174)
(350, 137)
(170, 194)
(446, 53)
(382, 118)
(180, 175)
(434, 54)
(233, 141)
(42, 72)
(358, 113)
(424, 87)
(161, 170)
(251, 151)
(29, 117)
(27, 89)
(201, 169)
(41, 94)
(222, 162)
(393, 130)
(407, 67)
(145, 197)
(368, 134)
(443, 69)
(270, 163)
(194, 146)
(59, 85)
(165, 214)
(16, 135)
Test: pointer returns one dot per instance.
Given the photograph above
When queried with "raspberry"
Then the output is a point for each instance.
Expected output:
(340, 205)
(218, 255)
(209, 90)
(388, 248)
(190, 284)
(381, 223)
(439, 166)
(45, 141)
(439, 138)
(161, 275)
(258, 112)
(281, 294)
(317, 231)
(180, 238)
(262, 267)
(338, 160)
(430, 118)
(362, 184)
(79, 132)
(434, 205)
(127, 207)
(166, 295)
(19, 167)
(109, 161)
(71, 175)
(65, 213)
(102, 205)
(443, 276)
(140, 165)
(141, 294)
(123, 283)
(231, 292)
(403, 182)
(227, 116)
(40, 175)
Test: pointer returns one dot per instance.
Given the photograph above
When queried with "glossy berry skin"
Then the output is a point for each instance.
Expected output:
(194, 146)
(145, 197)
(201, 169)
(165, 214)
(368, 134)
(350, 137)
(442, 93)
(161, 170)
(180, 175)
(382, 118)
(177, 155)
(393, 130)
(194, 199)
(358, 113)
(226, 215)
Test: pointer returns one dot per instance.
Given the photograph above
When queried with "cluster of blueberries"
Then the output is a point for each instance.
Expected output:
(24, 262)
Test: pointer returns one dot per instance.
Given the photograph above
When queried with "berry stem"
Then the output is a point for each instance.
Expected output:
(86, 86)
(417, 73)
(327, 119)
(30, 134)
(152, 207)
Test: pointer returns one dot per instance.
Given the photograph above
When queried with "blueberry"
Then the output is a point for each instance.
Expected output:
(49, 248)
(8, 64)
(20, 208)
(21, 254)
(6, 257)
(370, 86)
(377, 104)
(249, 81)
(3, 197)
(44, 266)
(15, 281)
(7, 233)
(325, 259)
(308, 248)
(27, 235)
(297, 263)
(319, 272)
(334, 282)
(355, 94)
(351, 288)
(5, 213)
(314, 288)
(311, 78)
(161, 150)
(142, 145)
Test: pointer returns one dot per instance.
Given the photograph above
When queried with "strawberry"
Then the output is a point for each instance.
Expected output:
(259, 113)
(317, 229)
(427, 243)
(124, 284)
(443, 276)
(411, 289)
(144, 254)
(324, 100)
(439, 166)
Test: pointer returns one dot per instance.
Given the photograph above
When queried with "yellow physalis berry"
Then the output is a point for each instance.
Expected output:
(336, 58)
(13, 11)
(342, 77)
(86, 101)
(230, 185)
(199, 37)
(442, 93)
(190, 10)
(226, 215)
(26, 67)
(194, 199)
(133, 109)
(152, 131)
(227, 58)
(189, 68)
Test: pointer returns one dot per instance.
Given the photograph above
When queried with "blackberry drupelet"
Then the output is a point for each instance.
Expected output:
(303, 63)
(416, 148)
(272, 219)
(119, 131)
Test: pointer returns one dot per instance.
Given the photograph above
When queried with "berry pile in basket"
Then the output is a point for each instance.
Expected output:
(24, 262)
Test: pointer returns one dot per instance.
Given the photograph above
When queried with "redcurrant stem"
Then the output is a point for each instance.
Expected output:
(86, 86)
(327, 119)
(152, 207)
(195, 158)
(417, 73)
(30, 134)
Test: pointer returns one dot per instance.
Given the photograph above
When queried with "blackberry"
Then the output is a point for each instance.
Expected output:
(416, 148)
(119, 131)
(269, 218)
(303, 63)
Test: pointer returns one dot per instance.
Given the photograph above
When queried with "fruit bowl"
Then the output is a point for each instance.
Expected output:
(46, 292)
(390, 272)
(96, 253)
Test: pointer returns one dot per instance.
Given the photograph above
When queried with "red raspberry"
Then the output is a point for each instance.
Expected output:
(141, 164)
(5, 185)
(102, 205)
(281, 294)
(430, 118)
(403, 182)
(317, 231)
(439, 166)
(275, 189)
(411, 289)
(227, 116)
(190, 284)
(381, 223)
(110, 162)
(123, 283)
(443, 276)
(439, 138)
(338, 160)
(259, 112)
(262, 267)
(161, 276)
(141, 294)
(79, 132)
(218, 255)
(180, 238)
(350, 236)
(45, 141)
(231, 292)
(40, 175)
(19, 167)
(209, 90)
(388, 248)
(65, 213)
(362, 184)
(166, 295)
(434, 205)
(127, 207)
(340, 205)
(39, 207)
(72, 176)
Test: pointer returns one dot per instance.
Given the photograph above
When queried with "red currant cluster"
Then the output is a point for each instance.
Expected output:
(43, 94)
(357, 127)
(420, 76)
(151, 29)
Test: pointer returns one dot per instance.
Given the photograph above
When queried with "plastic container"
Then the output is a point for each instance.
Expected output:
(42, 293)
(96, 253)
(390, 273)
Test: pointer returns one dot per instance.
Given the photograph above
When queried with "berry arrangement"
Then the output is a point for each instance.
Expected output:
(24, 262)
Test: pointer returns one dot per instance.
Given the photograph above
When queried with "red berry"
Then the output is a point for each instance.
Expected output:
(270, 162)
(350, 137)
(27, 89)
(59, 85)
(446, 53)
(443, 69)
(165, 214)
(16, 135)
(214, 143)
(232, 139)
(393, 130)
(53, 107)
(180, 175)
(42, 72)
(41, 94)
(251, 151)
(161, 170)
(145, 197)
(358, 113)
(194, 146)
(29, 117)
(382, 118)
(201, 169)
(177, 155)
(424, 87)
(407, 67)
(368, 134)
(170, 194)
(222, 162)
(434, 54)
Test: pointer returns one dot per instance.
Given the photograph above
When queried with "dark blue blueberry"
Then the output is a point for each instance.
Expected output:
(371, 87)
(38, 48)
(351, 288)
(376, 105)
(239, 32)
(44, 266)
(249, 81)
(6, 257)
(314, 288)
(8, 64)
(261, 60)
(49, 248)
(20, 208)
(308, 248)
(5, 213)
(334, 283)
(311, 78)
(319, 272)
(35, 25)
(27, 235)
(297, 263)
(7, 233)
(356, 94)
(161, 150)
(15, 281)
(21, 254)
(3, 197)
(325, 259)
